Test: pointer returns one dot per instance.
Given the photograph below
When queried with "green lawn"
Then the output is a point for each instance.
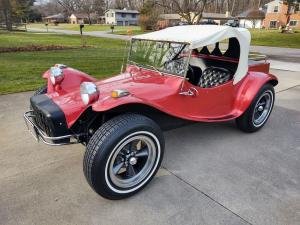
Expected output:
(87, 27)
(21, 71)
(275, 38)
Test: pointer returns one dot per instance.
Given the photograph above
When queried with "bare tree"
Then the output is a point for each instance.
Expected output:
(190, 10)
(69, 6)
(291, 4)
(49, 8)
(90, 7)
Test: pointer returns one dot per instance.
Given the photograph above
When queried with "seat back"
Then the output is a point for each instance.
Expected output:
(214, 76)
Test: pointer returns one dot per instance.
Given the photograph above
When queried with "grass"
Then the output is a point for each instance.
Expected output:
(21, 71)
(87, 27)
(275, 38)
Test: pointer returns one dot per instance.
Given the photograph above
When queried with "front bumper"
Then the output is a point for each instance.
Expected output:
(39, 134)
(46, 122)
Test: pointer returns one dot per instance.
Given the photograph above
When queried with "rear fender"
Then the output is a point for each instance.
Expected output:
(248, 88)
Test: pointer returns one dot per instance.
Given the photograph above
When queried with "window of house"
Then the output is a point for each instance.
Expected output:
(133, 15)
(123, 15)
(273, 24)
(276, 8)
(112, 15)
(293, 22)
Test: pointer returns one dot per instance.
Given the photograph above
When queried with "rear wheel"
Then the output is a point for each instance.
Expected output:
(259, 111)
(123, 156)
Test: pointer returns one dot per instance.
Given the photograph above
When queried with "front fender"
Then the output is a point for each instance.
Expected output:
(248, 88)
(72, 80)
(109, 103)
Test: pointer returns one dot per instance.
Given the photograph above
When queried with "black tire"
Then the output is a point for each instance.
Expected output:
(41, 90)
(103, 150)
(247, 122)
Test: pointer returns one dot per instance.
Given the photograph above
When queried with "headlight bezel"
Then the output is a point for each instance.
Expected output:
(56, 75)
(89, 92)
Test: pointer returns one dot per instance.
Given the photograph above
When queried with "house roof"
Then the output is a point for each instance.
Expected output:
(275, 1)
(170, 16)
(204, 16)
(202, 35)
(124, 11)
(80, 15)
(252, 14)
(214, 16)
(56, 16)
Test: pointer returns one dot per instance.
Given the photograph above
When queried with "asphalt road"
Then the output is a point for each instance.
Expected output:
(212, 174)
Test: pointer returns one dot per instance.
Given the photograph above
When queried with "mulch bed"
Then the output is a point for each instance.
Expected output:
(33, 48)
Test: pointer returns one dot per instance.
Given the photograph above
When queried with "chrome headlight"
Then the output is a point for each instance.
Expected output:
(89, 92)
(56, 75)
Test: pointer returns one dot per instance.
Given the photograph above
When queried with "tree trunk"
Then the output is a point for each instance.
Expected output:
(201, 12)
(7, 14)
(288, 13)
(259, 3)
(232, 8)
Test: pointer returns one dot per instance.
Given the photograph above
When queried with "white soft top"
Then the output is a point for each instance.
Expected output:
(202, 35)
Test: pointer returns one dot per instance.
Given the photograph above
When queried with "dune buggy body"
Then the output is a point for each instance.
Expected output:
(169, 73)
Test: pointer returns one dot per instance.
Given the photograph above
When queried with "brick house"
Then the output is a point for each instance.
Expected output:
(276, 15)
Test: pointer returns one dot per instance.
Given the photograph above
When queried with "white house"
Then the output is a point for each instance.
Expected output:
(121, 17)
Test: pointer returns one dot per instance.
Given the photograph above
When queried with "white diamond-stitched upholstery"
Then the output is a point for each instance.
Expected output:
(214, 76)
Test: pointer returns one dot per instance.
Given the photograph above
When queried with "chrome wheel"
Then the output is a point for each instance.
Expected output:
(263, 108)
(133, 160)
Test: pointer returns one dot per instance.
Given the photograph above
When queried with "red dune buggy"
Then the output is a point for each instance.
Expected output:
(172, 76)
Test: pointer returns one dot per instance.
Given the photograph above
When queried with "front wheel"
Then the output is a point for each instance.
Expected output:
(123, 156)
(259, 111)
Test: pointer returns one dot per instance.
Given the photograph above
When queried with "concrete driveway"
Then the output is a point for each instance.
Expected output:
(212, 174)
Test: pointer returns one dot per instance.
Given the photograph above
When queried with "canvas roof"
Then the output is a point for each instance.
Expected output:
(202, 35)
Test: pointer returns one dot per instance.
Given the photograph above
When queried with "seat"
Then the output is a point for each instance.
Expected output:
(214, 76)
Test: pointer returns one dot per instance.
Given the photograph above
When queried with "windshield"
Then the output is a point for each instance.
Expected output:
(163, 56)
